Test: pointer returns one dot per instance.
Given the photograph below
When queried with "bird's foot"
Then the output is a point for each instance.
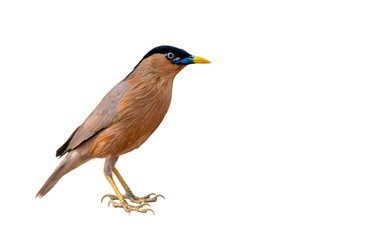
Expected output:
(129, 208)
(135, 199)
(145, 199)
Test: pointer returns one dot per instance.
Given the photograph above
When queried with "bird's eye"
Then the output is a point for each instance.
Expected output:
(170, 55)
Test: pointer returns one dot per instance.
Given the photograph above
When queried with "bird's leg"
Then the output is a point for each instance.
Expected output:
(129, 195)
(109, 164)
(122, 201)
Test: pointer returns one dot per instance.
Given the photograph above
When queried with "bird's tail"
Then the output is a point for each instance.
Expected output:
(52, 180)
(72, 160)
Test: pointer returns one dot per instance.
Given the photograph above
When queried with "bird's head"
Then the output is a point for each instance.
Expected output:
(167, 60)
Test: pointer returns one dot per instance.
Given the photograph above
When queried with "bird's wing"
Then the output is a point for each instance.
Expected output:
(103, 116)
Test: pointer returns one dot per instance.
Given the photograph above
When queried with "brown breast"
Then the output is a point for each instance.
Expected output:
(141, 109)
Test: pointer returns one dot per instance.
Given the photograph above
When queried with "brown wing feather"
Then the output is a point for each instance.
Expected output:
(103, 116)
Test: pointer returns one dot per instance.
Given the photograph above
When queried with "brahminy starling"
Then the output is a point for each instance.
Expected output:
(123, 120)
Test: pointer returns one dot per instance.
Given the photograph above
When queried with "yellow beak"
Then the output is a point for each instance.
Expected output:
(198, 59)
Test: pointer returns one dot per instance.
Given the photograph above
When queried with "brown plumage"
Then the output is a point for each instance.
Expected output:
(124, 119)
(141, 109)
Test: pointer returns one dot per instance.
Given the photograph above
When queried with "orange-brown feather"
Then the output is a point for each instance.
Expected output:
(141, 109)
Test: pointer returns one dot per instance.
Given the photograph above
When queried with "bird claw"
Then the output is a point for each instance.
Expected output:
(149, 195)
(143, 204)
(143, 201)
(149, 199)
(112, 197)
(129, 208)
(149, 209)
(134, 198)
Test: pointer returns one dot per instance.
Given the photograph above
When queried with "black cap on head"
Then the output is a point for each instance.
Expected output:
(178, 52)
(166, 49)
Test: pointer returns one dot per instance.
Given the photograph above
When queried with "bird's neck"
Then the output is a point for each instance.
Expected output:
(156, 70)
(148, 95)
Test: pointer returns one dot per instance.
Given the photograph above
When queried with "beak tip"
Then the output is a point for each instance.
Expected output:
(198, 59)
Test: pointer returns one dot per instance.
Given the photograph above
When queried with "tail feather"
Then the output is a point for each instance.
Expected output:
(52, 180)
(72, 160)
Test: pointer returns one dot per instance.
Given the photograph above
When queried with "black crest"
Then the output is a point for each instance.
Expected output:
(163, 50)
(166, 49)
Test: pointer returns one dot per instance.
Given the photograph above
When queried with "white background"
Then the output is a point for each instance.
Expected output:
(278, 138)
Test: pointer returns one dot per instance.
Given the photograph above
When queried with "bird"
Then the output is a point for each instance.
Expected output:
(123, 120)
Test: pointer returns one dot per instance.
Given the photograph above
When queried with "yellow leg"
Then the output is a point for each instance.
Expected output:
(121, 180)
(122, 201)
(115, 188)
(129, 195)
